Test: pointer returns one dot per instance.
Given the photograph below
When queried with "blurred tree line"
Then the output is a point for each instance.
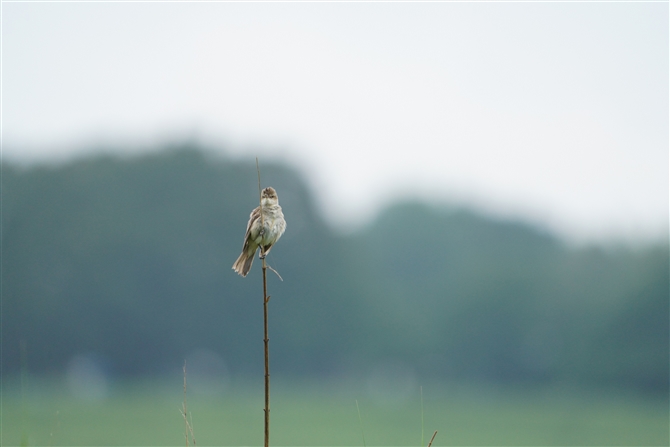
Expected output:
(131, 259)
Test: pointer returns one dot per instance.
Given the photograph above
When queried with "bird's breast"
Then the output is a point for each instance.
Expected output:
(274, 226)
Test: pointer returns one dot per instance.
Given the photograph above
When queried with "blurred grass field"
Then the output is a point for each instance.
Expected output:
(148, 413)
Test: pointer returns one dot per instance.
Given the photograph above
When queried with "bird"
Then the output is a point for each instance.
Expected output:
(266, 225)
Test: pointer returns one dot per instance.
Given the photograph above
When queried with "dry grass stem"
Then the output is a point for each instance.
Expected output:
(188, 427)
(276, 273)
(421, 392)
(431, 439)
(360, 419)
(260, 200)
(266, 298)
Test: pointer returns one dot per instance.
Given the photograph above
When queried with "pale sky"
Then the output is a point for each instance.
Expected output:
(553, 113)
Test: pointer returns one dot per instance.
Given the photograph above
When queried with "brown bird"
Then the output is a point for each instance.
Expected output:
(262, 231)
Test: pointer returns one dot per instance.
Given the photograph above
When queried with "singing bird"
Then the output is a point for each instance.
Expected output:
(261, 232)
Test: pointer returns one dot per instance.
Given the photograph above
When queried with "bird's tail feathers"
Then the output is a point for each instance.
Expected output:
(243, 263)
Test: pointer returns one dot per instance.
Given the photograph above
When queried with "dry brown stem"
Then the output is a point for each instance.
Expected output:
(431, 439)
(266, 299)
(188, 426)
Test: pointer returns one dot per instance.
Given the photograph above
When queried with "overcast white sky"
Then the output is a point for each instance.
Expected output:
(556, 113)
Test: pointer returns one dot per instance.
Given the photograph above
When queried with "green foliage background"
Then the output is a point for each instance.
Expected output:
(131, 259)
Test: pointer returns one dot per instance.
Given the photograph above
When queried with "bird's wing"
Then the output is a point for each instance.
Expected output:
(253, 217)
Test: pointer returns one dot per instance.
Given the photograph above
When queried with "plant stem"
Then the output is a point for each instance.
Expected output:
(266, 298)
(421, 391)
(266, 341)
(431, 439)
(360, 419)
(183, 408)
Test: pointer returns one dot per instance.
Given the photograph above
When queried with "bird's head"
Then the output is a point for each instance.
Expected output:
(269, 197)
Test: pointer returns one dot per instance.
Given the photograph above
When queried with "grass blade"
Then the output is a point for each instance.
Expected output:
(360, 419)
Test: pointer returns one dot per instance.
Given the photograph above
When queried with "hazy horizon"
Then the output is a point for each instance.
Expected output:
(222, 152)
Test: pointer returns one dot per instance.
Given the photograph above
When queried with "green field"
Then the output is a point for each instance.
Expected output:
(145, 413)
